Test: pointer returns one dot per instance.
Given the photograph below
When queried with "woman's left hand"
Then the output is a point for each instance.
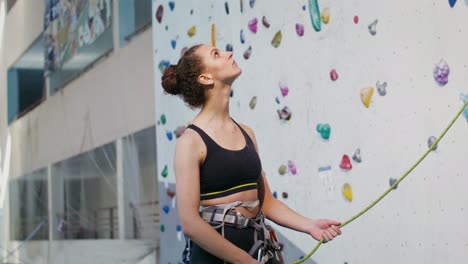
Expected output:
(324, 228)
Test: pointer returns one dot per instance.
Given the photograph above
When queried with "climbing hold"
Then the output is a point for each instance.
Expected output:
(164, 172)
(170, 193)
(228, 47)
(430, 141)
(253, 25)
(241, 6)
(333, 75)
(213, 35)
(226, 7)
(452, 3)
(356, 19)
(276, 41)
(357, 156)
(285, 195)
(265, 22)
(347, 192)
(171, 5)
(292, 167)
(162, 228)
(346, 163)
(324, 130)
(159, 13)
(166, 209)
(441, 73)
(163, 65)
(373, 27)
(252, 3)
(275, 195)
(282, 169)
(277, 100)
(163, 119)
(192, 31)
(173, 43)
(391, 182)
(284, 114)
(179, 131)
(284, 89)
(464, 98)
(304, 7)
(325, 15)
(179, 228)
(381, 88)
(248, 52)
(300, 29)
(314, 13)
(169, 135)
(366, 95)
(253, 102)
(231, 94)
(242, 37)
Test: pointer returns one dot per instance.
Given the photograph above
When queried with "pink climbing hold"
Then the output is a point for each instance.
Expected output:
(292, 167)
(346, 163)
(300, 29)
(253, 25)
(284, 89)
(356, 19)
(333, 75)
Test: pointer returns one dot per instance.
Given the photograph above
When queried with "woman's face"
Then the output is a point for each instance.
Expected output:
(220, 65)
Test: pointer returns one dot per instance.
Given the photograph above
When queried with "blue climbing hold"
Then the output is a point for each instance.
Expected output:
(452, 3)
(242, 37)
(166, 209)
(169, 135)
(179, 228)
(173, 43)
(275, 195)
(171, 5)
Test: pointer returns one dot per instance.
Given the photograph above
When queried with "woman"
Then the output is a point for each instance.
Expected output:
(217, 167)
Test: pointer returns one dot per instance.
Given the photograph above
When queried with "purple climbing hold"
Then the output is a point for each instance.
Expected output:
(292, 167)
(252, 3)
(300, 29)
(391, 182)
(248, 52)
(253, 25)
(285, 113)
(441, 73)
(285, 195)
(284, 89)
(265, 22)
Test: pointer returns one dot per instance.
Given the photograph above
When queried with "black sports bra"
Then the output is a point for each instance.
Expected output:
(225, 172)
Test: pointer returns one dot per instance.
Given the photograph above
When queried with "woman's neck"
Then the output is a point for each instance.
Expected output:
(216, 107)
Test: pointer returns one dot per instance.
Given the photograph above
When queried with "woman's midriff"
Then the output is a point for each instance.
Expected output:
(250, 195)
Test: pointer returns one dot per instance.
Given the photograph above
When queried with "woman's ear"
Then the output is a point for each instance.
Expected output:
(206, 79)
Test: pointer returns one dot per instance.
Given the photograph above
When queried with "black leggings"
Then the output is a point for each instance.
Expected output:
(242, 238)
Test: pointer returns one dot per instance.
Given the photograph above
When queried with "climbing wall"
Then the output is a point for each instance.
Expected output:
(344, 97)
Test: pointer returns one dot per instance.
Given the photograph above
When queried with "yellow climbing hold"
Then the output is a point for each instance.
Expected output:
(276, 41)
(213, 35)
(366, 95)
(192, 31)
(347, 192)
(325, 14)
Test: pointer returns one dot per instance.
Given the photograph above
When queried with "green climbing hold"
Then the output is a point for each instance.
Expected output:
(253, 102)
(276, 41)
(282, 169)
(315, 17)
(163, 119)
(162, 228)
(164, 172)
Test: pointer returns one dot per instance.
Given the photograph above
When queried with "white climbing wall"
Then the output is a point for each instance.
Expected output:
(423, 220)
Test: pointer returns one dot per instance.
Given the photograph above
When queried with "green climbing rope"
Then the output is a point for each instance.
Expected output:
(391, 187)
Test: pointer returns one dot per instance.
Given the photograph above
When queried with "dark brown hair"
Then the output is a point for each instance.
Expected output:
(182, 79)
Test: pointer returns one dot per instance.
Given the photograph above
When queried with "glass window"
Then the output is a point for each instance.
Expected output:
(29, 207)
(26, 85)
(85, 195)
(141, 185)
(134, 17)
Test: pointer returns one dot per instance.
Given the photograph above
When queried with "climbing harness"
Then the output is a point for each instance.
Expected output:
(266, 248)
(465, 105)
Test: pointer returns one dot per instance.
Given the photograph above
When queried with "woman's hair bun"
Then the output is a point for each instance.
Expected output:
(169, 80)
